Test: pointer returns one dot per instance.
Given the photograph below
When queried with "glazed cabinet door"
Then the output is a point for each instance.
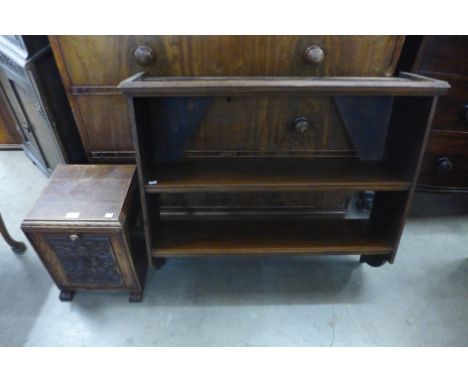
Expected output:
(40, 142)
(31, 146)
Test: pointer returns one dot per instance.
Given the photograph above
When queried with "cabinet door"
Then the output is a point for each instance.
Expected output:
(32, 120)
(31, 145)
(87, 261)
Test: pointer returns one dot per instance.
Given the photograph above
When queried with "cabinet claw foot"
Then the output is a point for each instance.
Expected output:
(136, 296)
(66, 295)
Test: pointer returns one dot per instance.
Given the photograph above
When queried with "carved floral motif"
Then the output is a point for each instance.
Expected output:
(87, 260)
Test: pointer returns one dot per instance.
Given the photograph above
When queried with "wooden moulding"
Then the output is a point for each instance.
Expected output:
(406, 84)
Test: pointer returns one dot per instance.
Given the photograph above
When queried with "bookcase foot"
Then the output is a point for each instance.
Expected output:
(374, 261)
(66, 295)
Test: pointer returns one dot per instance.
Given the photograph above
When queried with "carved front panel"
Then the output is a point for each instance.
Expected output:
(87, 260)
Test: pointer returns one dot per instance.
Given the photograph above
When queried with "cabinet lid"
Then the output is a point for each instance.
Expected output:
(78, 193)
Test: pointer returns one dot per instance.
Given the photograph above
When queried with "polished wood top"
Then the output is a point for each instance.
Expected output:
(79, 193)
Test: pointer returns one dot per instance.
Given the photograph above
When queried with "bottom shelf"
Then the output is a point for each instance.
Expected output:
(267, 237)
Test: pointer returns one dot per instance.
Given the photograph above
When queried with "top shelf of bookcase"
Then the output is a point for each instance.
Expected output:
(406, 84)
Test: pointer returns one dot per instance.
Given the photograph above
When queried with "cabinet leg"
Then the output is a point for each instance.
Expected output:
(136, 296)
(66, 295)
(16, 246)
(374, 260)
(158, 262)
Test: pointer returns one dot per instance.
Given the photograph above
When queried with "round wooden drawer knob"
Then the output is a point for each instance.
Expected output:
(444, 165)
(314, 55)
(301, 125)
(74, 237)
(144, 55)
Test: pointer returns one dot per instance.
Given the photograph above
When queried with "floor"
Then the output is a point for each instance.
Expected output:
(421, 300)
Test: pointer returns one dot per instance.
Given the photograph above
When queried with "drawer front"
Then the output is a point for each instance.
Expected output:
(92, 66)
(452, 109)
(107, 60)
(263, 125)
(446, 54)
(445, 163)
(84, 260)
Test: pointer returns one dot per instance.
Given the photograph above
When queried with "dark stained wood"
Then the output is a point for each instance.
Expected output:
(143, 85)
(257, 174)
(450, 113)
(267, 237)
(81, 246)
(445, 58)
(445, 54)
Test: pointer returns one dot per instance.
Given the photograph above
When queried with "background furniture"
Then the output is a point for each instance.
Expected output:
(198, 103)
(91, 68)
(32, 94)
(16, 246)
(445, 166)
(10, 138)
(84, 227)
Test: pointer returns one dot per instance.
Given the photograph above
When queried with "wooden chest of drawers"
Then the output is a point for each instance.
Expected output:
(84, 228)
(262, 126)
(92, 66)
(446, 160)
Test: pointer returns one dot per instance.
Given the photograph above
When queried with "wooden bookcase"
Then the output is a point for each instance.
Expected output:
(393, 177)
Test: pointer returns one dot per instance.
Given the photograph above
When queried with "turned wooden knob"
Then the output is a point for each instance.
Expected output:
(444, 165)
(465, 113)
(144, 55)
(301, 125)
(74, 237)
(314, 54)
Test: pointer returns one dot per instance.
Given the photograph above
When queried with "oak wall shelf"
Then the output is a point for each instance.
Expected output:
(156, 105)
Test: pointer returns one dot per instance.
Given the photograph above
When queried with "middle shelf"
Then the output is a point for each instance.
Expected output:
(271, 174)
